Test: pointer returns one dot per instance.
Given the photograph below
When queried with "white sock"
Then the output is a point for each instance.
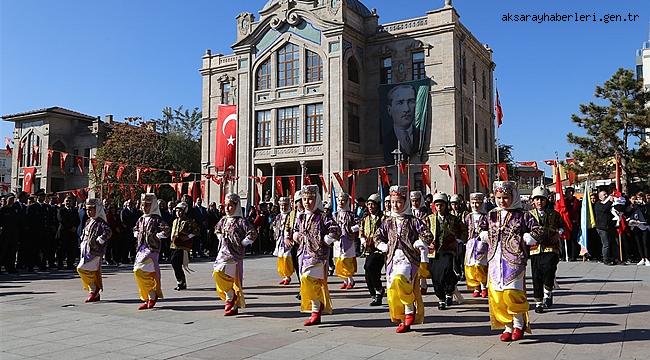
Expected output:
(92, 288)
(508, 329)
(230, 294)
(483, 286)
(518, 321)
(547, 293)
(350, 280)
(315, 305)
(152, 295)
(409, 309)
(538, 302)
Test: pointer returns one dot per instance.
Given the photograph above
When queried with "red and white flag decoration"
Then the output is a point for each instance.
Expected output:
(50, 153)
(7, 146)
(383, 175)
(226, 141)
(322, 181)
(445, 167)
(426, 175)
(528, 163)
(79, 161)
(107, 167)
(498, 110)
(28, 178)
(62, 157)
(292, 186)
(120, 170)
(35, 155)
(306, 180)
(483, 175)
(339, 179)
(464, 176)
(503, 171)
(278, 186)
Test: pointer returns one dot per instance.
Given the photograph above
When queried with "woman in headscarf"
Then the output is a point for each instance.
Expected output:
(345, 261)
(374, 258)
(476, 251)
(149, 230)
(94, 239)
(282, 250)
(234, 233)
(184, 230)
(402, 237)
(314, 232)
(511, 230)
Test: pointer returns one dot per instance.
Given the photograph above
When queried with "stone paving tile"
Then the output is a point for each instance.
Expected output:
(39, 349)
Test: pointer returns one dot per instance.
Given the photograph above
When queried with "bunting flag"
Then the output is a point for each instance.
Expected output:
(185, 174)
(157, 186)
(483, 175)
(464, 176)
(110, 189)
(29, 173)
(498, 110)
(7, 146)
(339, 179)
(528, 163)
(348, 173)
(20, 154)
(107, 167)
(262, 179)
(50, 153)
(445, 167)
(125, 193)
(322, 181)
(202, 189)
(426, 175)
(35, 158)
(292, 186)
(503, 171)
(173, 174)
(278, 187)
(306, 180)
(550, 162)
(93, 162)
(138, 174)
(403, 167)
(120, 170)
(179, 190)
(79, 161)
(362, 171)
(62, 159)
(190, 190)
(383, 175)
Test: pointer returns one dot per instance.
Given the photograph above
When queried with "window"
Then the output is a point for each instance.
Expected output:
(225, 93)
(288, 125)
(2, 178)
(386, 76)
(264, 76)
(464, 70)
(263, 129)
(485, 140)
(86, 159)
(314, 67)
(418, 65)
(353, 70)
(314, 123)
(288, 65)
(483, 84)
(31, 147)
(466, 131)
(353, 123)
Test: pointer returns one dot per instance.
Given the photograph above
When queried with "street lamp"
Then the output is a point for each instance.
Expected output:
(398, 156)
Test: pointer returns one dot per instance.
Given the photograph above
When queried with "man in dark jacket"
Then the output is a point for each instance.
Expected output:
(11, 230)
(129, 216)
(605, 227)
(68, 218)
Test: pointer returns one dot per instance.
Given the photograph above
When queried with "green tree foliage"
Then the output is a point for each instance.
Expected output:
(505, 156)
(613, 126)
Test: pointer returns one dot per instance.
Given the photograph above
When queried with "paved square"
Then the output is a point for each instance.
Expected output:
(601, 312)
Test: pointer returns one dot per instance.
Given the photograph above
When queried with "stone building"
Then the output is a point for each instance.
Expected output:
(58, 129)
(305, 77)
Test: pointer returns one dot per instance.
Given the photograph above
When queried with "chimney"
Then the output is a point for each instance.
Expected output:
(108, 119)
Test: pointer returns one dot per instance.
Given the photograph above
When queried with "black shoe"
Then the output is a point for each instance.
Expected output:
(181, 287)
(442, 305)
(298, 297)
(539, 308)
(449, 300)
(548, 301)
(376, 301)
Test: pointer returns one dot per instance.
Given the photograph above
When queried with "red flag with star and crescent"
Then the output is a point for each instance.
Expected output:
(464, 176)
(426, 175)
(226, 139)
(483, 175)
(28, 174)
(503, 171)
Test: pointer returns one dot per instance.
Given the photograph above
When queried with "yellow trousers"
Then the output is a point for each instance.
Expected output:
(90, 279)
(285, 266)
(225, 283)
(313, 289)
(475, 276)
(402, 292)
(504, 304)
(147, 283)
(423, 271)
(345, 267)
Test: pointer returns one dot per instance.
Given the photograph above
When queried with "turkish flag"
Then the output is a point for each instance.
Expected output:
(62, 158)
(107, 167)
(464, 176)
(403, 167)
(498, 111)
(202, 189)
(79, 161)
(560, 205)
(50, 152)
(138, 174)
(190, 190)
(20, 154)
(528, 163)
(483, 175)
(322, 181)
(120, 170)
(503, 171)
(426, 175)
(226, 140)
(278, 186)
(550, 162)
(383, 175)
(306, 180)
(339, 179)
(35, 155)
(292, 186)
(445, 167)
(28, 174)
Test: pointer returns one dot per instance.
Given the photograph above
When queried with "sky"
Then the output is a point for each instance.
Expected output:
(132, 58)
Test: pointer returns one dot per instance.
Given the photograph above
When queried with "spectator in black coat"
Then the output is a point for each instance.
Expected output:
(605, 227)
(68, 218)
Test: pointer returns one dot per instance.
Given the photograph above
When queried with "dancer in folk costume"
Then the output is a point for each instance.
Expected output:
(94, 239)
(374, 257)
(314, 232)
(345, 260)
(387, 205)
(402, 236)
(282, 250)
(148, 231)
(544, 256)
(421, 212)
(184, 230)
(476, 251)
(511, 231)
(446, 230)
(234, 233)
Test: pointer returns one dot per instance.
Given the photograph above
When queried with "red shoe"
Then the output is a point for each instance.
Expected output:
(314, 319)
(144, 306)
(476, 293)
(402, 328)
(231, 312)
(350, 285)
(423, 291)
(409, 319)
(230, 303)
(343, 286)
(505, 337)
(283, 282)
(151, 303)
(92, 297)
(484, 294)
(517, 334)
(287, 281)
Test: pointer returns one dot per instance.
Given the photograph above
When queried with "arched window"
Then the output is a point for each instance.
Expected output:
(31, 150)
(288, 65)
(263, 78)
(353, 70)
(314, 67)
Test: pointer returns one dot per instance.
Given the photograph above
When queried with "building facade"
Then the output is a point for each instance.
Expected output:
(58, 129)
(5, 173)
(314, 82)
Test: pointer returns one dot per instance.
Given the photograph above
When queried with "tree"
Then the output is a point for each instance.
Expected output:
(505, 156)
(183, 121)
(613, 127)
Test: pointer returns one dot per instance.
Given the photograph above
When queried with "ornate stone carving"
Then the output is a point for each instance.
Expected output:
(245, 20)
(286, 14)
(333, 6)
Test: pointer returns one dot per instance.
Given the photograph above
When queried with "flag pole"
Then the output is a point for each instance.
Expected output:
(558, 179)
(496, 134)
(474, 145)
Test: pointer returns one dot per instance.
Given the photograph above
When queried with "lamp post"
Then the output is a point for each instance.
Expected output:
(398, 156)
